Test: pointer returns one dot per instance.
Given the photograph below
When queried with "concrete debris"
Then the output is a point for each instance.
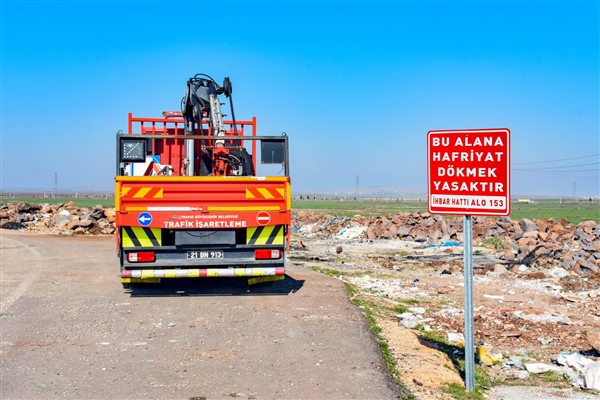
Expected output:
(456, 338)
(61, 219)
(541, 317)
(555, 244)
(539, 367)
(593, 338)
(551, 243)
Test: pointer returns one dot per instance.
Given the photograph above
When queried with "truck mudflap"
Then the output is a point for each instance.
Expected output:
(153, 274)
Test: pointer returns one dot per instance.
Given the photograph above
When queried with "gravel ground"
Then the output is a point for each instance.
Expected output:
(70, 331)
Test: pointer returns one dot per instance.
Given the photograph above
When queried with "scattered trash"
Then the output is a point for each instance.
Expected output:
(514, 363)
(351, 233)
(457, 338)
(445, 244)
(495, 297)
(544, 341)
(485, 358)
(409, 321)
(588, 371)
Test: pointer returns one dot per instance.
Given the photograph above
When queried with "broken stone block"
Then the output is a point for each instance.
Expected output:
(527, 225)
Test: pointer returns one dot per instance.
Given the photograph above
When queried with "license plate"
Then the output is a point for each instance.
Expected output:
(205, 254)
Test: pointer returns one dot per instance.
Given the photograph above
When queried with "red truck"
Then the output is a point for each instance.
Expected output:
(189, 201)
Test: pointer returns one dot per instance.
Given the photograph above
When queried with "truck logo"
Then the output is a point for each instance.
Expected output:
(263, 218)
(145, 219)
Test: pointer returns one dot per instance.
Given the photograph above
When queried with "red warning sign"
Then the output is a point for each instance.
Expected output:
(263, 218)
(468, 172)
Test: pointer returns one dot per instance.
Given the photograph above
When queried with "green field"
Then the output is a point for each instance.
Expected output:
(574, 212)
(81, 202)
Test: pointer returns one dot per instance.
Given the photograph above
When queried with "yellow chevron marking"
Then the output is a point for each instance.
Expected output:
(265, 192)
(159, 195)
(281, 191)
(125, 190)
(141, 193)
(265, 235)
(249, 194)
(141, 236)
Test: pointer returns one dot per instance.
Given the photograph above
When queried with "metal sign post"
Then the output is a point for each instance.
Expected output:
(469, 320)
(468, 173)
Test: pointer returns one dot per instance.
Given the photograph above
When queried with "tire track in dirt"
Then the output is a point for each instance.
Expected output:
(10, 250)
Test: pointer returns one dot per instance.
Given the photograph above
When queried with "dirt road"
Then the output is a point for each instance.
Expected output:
(68, 330)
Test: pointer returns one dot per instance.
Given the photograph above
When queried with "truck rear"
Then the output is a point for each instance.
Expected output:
(190, 204)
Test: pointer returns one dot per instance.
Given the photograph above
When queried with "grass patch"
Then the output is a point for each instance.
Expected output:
(556, 378)
(458, 392)
(400, 309)
(337, 273)
(384, 347)
(351, 290)
(327, 271)
(495, 242)
(456, 355)
(4, 314)
(410, 301)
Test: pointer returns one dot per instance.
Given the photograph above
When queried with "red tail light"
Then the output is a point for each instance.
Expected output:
(141, 256)
(267, 254)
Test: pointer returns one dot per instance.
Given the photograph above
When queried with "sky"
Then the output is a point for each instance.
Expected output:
(356, 85)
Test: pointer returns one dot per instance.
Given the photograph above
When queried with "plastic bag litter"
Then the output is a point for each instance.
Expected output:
(588, 370)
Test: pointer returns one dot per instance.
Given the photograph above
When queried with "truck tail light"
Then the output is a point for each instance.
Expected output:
(267, 254)
(141, 256)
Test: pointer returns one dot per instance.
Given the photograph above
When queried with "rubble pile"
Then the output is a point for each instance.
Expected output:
(524, 242)
(63, 219)
(532, 243)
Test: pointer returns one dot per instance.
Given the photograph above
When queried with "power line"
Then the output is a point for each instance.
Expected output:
(562, 159)
(557, 174)
(560, 166)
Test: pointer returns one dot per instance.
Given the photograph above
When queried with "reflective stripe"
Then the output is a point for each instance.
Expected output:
(146, 192)
(265, 235)
(201, 273)
(141, 237)
(265, 193)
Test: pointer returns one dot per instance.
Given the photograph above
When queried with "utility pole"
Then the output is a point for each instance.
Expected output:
(55, 183)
